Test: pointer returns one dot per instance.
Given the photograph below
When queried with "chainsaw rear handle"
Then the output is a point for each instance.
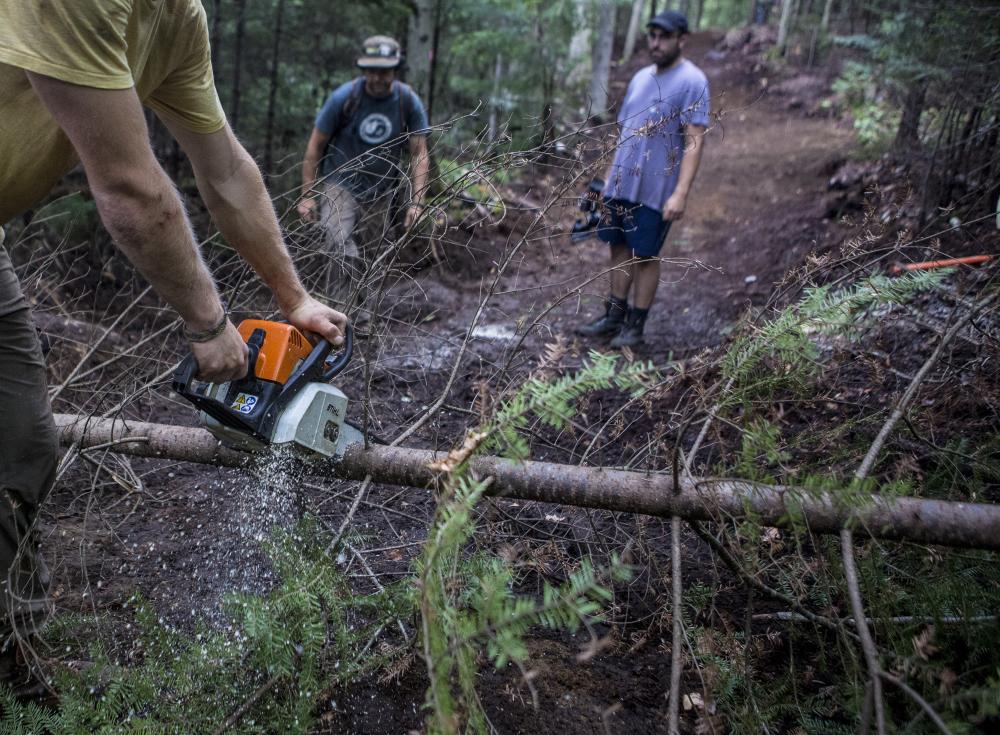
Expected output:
(188, 369)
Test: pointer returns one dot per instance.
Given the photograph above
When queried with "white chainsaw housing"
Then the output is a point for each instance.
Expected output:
(314, 419)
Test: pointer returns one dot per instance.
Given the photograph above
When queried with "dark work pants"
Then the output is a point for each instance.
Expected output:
(28, 455)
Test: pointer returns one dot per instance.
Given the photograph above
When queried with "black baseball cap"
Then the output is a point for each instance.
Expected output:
(671, 21)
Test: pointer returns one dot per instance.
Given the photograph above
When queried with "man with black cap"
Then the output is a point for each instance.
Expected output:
(351, 166)
(662, 122)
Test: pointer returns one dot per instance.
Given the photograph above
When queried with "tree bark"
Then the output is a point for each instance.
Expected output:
(494, 120)
(234, 100)
(787, 7)
(634, 21)
(579, 57)
(420, 46)
(824, 23)
(696, 23)
(435, 48)
(272, 96)
(908, 132)
(966, 525)
(215, 36)
(600, 76)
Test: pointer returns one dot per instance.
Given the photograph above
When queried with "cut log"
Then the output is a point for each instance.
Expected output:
(968, 525)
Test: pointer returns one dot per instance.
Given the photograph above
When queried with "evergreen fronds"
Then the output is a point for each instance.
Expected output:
(783, 353)
(24, 718)
(552, 401)
(298, 637)
(469, 603)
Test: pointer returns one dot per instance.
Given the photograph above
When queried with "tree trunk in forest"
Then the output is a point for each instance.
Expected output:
(696, 24)
(787, 8)
(435, 47)
(214, 37)
(234, 100)
(550, 64)
(494, 124)
(824, 23)
(908, 132)
(600, 77)
(634, 21)
(578, 58)
(420, 46)
(273, 93)
(966, 525)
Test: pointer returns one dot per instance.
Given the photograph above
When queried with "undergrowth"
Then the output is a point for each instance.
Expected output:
(278, 653)
(467, 604)
(283, 652)
(797, 413)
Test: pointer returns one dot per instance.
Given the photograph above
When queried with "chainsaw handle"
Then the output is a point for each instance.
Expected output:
(188, 368)
(345, 356)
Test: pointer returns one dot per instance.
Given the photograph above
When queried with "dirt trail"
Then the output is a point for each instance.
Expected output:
(757, 209)
(759, 206)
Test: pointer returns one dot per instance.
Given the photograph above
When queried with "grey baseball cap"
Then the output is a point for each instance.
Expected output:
(380, 52)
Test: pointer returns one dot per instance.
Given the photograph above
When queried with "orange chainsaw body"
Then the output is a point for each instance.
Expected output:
(284, 348)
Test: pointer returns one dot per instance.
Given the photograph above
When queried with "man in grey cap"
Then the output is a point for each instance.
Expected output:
(662, 122)
(351, 167)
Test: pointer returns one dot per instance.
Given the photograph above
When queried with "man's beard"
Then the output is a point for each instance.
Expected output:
(669, 57)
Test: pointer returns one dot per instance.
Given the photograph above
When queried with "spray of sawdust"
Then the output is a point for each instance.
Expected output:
(220, 547)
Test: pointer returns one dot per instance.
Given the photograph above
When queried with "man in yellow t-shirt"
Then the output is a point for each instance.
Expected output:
(74, 77)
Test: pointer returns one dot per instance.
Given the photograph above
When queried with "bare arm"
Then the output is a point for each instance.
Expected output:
(310, 173)
(694, 144)
(140, 208)
(419, 166)
(233, 190)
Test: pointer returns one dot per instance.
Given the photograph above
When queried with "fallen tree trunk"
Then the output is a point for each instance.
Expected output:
(969, 525)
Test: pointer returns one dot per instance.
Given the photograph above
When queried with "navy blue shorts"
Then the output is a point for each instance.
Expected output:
(636, 226)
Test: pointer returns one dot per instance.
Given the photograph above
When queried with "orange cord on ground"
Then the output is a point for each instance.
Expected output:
(930, 264)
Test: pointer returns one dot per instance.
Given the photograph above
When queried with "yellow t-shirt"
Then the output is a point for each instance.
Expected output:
(160, 47)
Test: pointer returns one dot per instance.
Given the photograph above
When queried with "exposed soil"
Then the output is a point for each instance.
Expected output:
(760, 205)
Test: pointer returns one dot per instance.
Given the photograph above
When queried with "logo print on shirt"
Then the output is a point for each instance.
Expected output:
(375, 129)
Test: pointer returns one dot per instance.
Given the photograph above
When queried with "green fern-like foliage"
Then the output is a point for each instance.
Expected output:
(933, 610)
(553, 401)
(783, 354)
(22, 718)
(468, 604)
(295, 642)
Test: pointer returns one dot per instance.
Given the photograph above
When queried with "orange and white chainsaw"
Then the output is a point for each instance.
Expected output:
(286, 398)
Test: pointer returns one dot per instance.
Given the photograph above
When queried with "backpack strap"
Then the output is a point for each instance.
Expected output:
(350, 108)
(405, 106)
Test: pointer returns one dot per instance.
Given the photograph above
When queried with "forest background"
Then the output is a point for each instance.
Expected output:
(794, 391)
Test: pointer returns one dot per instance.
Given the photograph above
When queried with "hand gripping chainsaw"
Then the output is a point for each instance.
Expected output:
(286, 397)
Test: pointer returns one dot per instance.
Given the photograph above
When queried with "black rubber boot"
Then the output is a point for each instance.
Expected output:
(610, 323)
(630, 334)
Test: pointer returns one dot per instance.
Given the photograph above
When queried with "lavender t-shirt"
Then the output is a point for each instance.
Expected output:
(651, 143)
